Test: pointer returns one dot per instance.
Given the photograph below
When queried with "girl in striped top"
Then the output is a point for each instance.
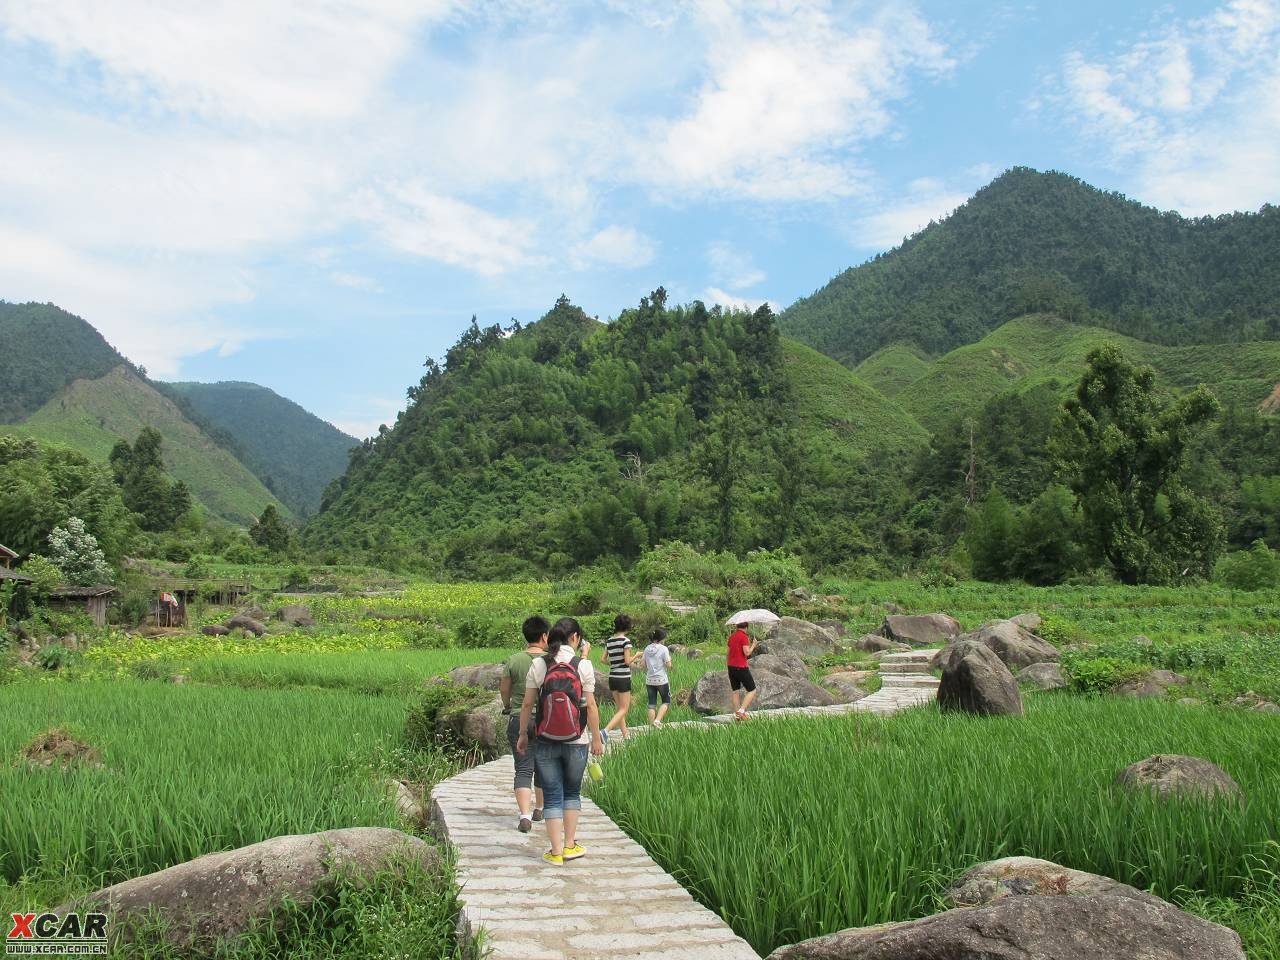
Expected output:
(619, 655)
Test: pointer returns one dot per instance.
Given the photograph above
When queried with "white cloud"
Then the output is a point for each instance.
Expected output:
(614, 246)
(926, 200)
(790, 89)
(356, 421)
(714, 295)
(355, 281)
(731, 266)
(1191, 113)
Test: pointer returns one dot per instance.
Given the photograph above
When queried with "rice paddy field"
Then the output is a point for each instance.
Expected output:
(826, 823)
(796, 827)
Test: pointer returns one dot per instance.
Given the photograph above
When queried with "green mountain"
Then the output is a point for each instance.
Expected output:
(893, 368)
(91, 415)
(45, 348)
(293, 452)
(535, 449)
(1032, 242)
(1043, 350)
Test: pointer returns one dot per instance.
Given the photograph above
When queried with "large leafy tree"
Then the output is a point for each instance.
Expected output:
(1121, 446)
(270, 531)
(148, 490)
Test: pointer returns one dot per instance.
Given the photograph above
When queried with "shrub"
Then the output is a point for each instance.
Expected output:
(1257, 568)
(479, 631)
(1100, 674)
(54, 656)
(439, 698)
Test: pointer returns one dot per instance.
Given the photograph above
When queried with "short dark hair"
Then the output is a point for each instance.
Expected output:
(659, 636)
(621, 623)
(534, 629)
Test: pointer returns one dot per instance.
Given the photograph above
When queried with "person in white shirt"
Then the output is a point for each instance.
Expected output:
(657, 660)
(568, 723)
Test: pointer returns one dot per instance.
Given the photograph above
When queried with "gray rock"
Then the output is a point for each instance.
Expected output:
(407, 803)
(1033, 928)
(485, 675)
(242, 621)
(481, 730)
(921, 630)
(1189, 702)
(835, 626)
(975, 680)
(1266, 706)
(1169, 775)
(775, 690)
(1045, 676)
(1142, 641)
(1016, 647)
(799, 636)
(785, 662)
(214, 630)
(1027, 876)
(221, 895)
(1031, 622)
(1154, 683)
(847, 685)
(296, 614)
(875, 644)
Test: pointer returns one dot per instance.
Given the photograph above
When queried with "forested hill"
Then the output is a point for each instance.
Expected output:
(1032, 242)
(535, 449)
(293, 452)
(44, 348)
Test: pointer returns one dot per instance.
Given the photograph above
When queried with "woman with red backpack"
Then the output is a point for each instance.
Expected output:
(562, 687)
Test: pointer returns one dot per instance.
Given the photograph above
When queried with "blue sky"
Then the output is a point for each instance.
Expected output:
(318, 196)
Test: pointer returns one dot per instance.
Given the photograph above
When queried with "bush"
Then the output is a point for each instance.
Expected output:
(54, 656)
(297, 577)
(1257, 568)
(761, 579)
(1100, 674)
(479, 631)
(439, 698)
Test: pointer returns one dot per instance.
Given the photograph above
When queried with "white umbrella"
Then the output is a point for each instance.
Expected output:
(753, 616)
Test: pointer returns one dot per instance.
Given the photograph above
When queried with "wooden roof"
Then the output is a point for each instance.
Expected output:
(7, 574)
(6, 552)
(81, 593)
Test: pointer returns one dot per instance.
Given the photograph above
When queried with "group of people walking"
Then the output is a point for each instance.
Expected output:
(548, 693)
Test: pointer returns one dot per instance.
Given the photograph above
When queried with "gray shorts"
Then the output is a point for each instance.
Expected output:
(526, 771)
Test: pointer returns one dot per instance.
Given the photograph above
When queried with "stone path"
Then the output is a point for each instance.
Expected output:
(616, 903)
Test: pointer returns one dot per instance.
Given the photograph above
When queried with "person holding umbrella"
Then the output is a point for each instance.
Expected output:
(742, 685)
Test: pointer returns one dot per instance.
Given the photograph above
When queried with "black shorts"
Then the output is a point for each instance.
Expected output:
(620, 684)
(740, 677)
(658, 691)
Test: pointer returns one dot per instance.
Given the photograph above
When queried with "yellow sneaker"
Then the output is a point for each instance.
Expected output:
(574, 852)
(553, 858)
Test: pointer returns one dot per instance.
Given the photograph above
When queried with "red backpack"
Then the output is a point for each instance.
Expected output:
(562, 709)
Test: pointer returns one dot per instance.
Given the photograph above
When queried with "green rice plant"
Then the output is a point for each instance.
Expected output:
(790, 828)
(185, 770)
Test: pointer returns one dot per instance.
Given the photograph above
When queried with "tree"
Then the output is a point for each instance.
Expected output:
(1121, 448)
(990, 537)
(1048, 548)
(1257, 568)
(76, 553)
(147, 489)
(270, 531)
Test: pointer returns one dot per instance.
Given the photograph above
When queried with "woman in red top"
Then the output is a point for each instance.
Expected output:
(740, 647)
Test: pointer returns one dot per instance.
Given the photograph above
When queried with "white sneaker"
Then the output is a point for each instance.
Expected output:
(525, 824)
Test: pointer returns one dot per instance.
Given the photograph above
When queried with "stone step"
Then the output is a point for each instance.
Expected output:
(905, 666)
(909, 656)
(908, 680)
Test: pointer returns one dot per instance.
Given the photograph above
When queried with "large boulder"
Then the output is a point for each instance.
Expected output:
(214, 630)
(874, 643)
(836, 627)
(1151, 685)
(487, 676)
(221, 895)
(480, 729)
(1016, 647)
(1028, 621)
(785, 662)
(975, 680)
(242, 621)
(296, 615)
(920, 630)
(1033, 928)
(1171, 775)
(847, 684)
(1044, 676)
(1027, 876)
(800, 636)
(774, 690)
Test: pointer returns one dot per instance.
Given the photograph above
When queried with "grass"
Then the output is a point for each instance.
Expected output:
(793, 828)
(186, 770)
(893, 368)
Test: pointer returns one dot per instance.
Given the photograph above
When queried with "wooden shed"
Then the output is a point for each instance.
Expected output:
(92, 600)
(7, 557)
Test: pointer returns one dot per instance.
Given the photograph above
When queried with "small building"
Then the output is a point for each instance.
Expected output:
(169, 609)
(7, 557)
(7, 574)
(92, 600)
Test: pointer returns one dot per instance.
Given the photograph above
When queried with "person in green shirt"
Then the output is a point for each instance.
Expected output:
(515, 670)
